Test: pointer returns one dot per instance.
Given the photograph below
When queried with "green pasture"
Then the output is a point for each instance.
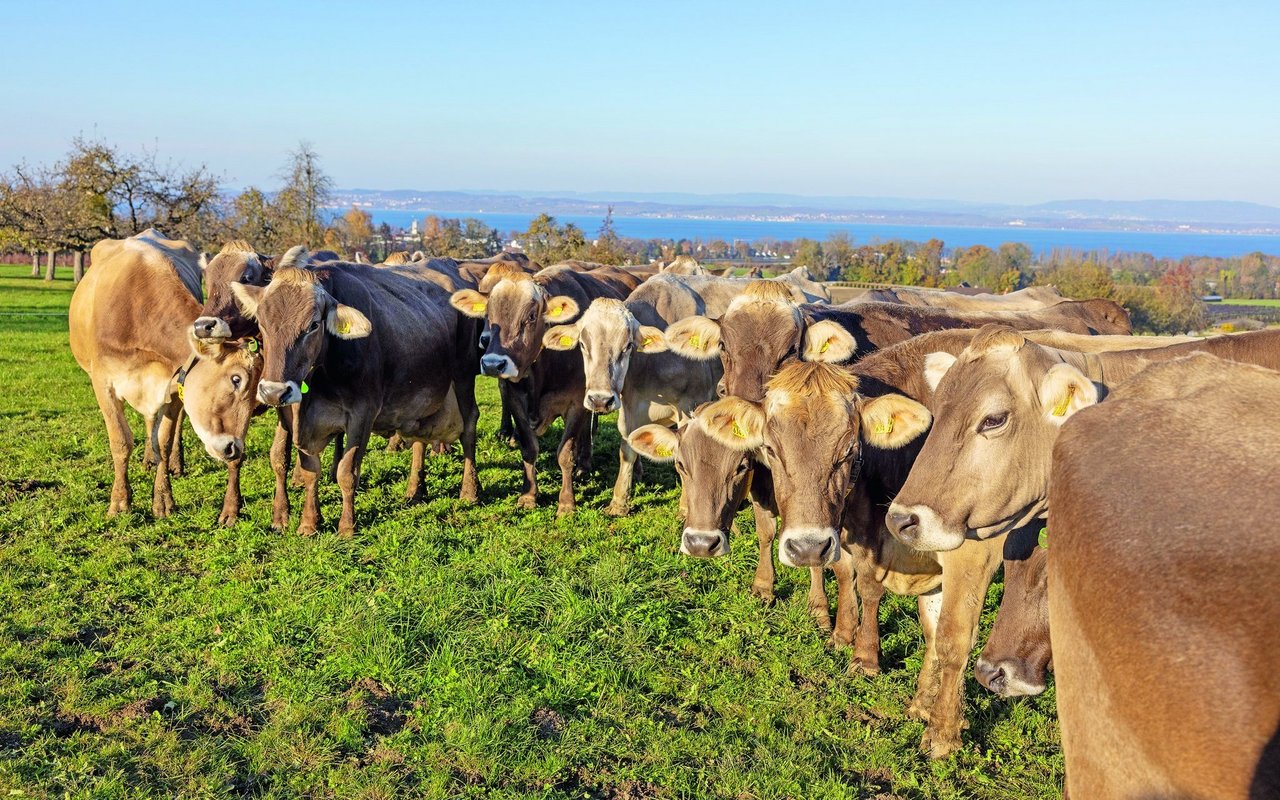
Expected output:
(445, 651)
(1247, 302)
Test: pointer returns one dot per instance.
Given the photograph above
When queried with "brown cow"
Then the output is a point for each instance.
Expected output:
(1029, 299)
(1162, 590)
(128, 321)
(538, 386)
(382, 350)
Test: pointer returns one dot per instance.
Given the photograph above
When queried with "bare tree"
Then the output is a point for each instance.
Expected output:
(300, 203)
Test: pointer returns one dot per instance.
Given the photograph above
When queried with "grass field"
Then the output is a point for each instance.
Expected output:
(444, 651)
(1241, 302)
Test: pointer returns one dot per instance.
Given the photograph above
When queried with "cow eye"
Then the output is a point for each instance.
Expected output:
(743, 466)
(993, 421)
(235, 381)
(315, 326)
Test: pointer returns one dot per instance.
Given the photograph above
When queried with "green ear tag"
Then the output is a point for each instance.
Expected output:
(305, 388)
(1043, 538)
(252, 346)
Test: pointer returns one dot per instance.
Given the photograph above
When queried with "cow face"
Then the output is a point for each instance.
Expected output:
(761, 330)
(984, 468)
(219, 394)
(714, 480)
(296, 316)
(810, 431)
(1018, 654)
(221, 317)
(608, 335)
(517, 312)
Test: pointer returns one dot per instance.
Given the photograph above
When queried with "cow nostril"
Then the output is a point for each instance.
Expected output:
(825, 553)
(902, 524)
(232, 450)
(991, 676)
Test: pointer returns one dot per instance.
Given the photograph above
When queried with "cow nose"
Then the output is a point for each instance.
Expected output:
(601, 402)
(233, 450)
(203, 327)
(809, 552)
(492, 365)
(276, 393)
(906, 526)
(720, 390)
(703, 544)
(485, 336)
(991, 676)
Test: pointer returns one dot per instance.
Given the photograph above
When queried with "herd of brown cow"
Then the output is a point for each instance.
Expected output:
(913, 442)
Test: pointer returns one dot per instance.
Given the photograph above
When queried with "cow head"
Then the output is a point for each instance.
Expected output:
(984, 468)
(296, 316)
(607, 334)
(219, 393)
(811, 430)
(714, 480)
(221, 318)
(517, 311)
(1018, 655)
(760, 331)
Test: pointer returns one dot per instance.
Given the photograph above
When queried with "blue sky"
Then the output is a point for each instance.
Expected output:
(986, 101)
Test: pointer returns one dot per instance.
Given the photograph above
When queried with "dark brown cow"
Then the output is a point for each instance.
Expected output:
(1163, 598)
(128, 321)
(541, 386)
(360, 350)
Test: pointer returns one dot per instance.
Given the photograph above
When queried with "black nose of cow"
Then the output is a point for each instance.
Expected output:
(601, 402)
(904, 526)
(203, 327)
(492, 365)
(991, 676)
(810, 552)
(485, 336)
(703, 544)
(232, 451)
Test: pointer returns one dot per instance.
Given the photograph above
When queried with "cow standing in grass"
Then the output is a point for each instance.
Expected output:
(128, 321)
(540, 386)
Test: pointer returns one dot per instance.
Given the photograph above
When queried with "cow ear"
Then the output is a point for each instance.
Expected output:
(694, 337)
(828, 342)
(268, 262)
(1064, 391)
(561, 308)
(204, 261)
(561, 337)
(891, 421)
(651, 340)
(935, 366)
(734, 422)
(247, 297)
(655, 442)
(469, 303)
(346, 322)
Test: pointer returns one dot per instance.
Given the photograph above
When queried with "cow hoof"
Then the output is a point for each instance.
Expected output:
(820, 618)
(918, 710)
(229, 518)
(564, 509)
(119, 506)
(857, 666)
(938, 744)
(511, 441)
(345, 532)
(527, 502)
(306, 530)
(161, 508)
(764, 591)
(412, 498)
(470, 495)
(618, 509)
(837, 641)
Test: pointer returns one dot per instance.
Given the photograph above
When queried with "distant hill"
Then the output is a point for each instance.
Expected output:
(1153, 215)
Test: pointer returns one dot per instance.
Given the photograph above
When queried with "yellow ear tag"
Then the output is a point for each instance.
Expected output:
(305, 388)
(825, 346)
(477, 306)
(738, 431)
(344, 327)
(648, 340)
(884, 428)
(663, 452)
(1061, 408)
(695, 341)
(566, 341)
(557, 311)
(182, 392)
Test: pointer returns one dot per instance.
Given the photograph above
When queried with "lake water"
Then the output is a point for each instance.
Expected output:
(1040, 240)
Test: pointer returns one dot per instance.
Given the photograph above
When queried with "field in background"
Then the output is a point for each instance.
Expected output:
(444, 651)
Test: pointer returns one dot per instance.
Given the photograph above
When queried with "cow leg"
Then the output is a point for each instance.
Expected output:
(337, 453)
(819, 605)
(464, 389)
(349, 475)
(866, 644)
(395, 444)
(159, 428)
(120, 437)
(232, 501)
(528, 444)
(309, 470)
(413, 492)
(582, 455)
(281, 444)
(929, 607)
(963, 593)
(766, 531)
(846, 601)
(620, 505)
(172, 434)
(296, 481)
(577, 425)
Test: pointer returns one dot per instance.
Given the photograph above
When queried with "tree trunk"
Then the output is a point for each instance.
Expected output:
(35, 264)
(48, 270)
(77, 266)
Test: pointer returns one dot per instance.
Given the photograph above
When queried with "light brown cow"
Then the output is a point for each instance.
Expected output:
(128, 321)
(1163, 598)
(983, 470)
(1029, 299)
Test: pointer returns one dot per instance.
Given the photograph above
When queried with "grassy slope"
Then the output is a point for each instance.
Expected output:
(445, 651)
(1246, 302)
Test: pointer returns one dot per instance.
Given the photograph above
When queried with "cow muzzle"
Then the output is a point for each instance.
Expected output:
(211, 328)
(1007, 678)
(496, 366)
(225, 448)
(809, 547)
(920, 528)
(704, 544)
(601, 402)
(275, 393)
